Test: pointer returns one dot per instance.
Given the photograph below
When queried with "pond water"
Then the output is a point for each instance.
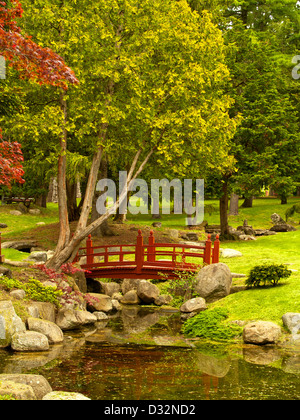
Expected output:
(140, 355)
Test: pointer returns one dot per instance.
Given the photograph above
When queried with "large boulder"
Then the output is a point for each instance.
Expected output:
(49, 329)
(214, 282)
(10, 323)
(29, 341)
(110, 288)
(67, 320)
(147, 291)
(130, 284)
(284, 227)
(38, 383)
(261, 332)
(230, 253)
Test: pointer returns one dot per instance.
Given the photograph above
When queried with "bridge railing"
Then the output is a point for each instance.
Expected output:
(149, 255)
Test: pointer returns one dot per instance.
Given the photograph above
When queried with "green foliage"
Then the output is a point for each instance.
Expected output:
(178, 287)
(291, 211)
(7, 398)
(267, 274)
(34, 290)
(211, 325)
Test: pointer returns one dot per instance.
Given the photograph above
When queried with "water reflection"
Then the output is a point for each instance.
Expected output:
(104, 364)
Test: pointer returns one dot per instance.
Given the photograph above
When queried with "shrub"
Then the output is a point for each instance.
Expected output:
(267, 274)
(211, 324)
(178, 286)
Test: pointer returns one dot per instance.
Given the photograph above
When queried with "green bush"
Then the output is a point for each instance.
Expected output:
(267, 274)
(211, 324)
(34, 290)
(178, 286)
(7, 398)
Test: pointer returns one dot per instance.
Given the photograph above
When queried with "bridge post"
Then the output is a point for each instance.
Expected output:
(89, 250)
(139, 253)
(1, 256)
(216, 251)
(151, 248)
(207, 251)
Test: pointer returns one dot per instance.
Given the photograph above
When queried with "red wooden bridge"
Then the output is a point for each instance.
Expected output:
(146, 261)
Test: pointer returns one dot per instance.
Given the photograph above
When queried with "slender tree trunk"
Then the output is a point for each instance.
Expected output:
(64, 228)
(224, 209)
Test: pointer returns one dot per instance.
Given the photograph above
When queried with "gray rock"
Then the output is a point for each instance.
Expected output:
(147, 291)
(38, 256)
(6, 272)
(35, 212)
(3, 226)
(163, 300)
(18, 294)
(102, 303)
(277, 219)
(194, 305)
(38, 383)
(129, 284)
(284, 227)
(20, 392)
(261, 332)
(65, 396)
(214, 282)
(85, 317)
(230, 253)
(10, 323)
(15, 213)
(101, 316)
(67, 320)
(49, 329)
(130, 298)
(29, 341)
(291, 321)
(110, 288)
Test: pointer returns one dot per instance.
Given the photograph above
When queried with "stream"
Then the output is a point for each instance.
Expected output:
(141, 355)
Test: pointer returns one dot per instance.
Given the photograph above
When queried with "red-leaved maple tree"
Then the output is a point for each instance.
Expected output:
(32, 62)
(11, 159)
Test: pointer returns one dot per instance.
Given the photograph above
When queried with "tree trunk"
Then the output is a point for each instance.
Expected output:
(248, 203)
(234, 205)
(69, 251)
(224, 210)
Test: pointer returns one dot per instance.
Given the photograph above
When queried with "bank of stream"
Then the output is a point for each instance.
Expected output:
(141, 355)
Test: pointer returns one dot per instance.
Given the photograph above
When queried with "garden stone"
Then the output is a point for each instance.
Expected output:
(15, 213)
(214, 282)
(49, 329)
(65, 396)
(101, 316)
(18, 294)
(163, 300)
(291, 321)
(130, 298)
(174, 234)
(129, 284)
(102, 303)
(284, 227)
(261, 332)
(35, 212)
(277, 219)
(6, 272)
(194, 305)
(43, 310)
(38, 383)
(230, 253)
(29, 341)
(85, 317)
(147, 291)
(10, 323)
(20, 392)
(66, 320)
(38, 256)
(110, 288)
(3, 226)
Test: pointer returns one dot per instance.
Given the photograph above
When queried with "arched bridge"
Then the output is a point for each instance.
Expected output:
(146, 261)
